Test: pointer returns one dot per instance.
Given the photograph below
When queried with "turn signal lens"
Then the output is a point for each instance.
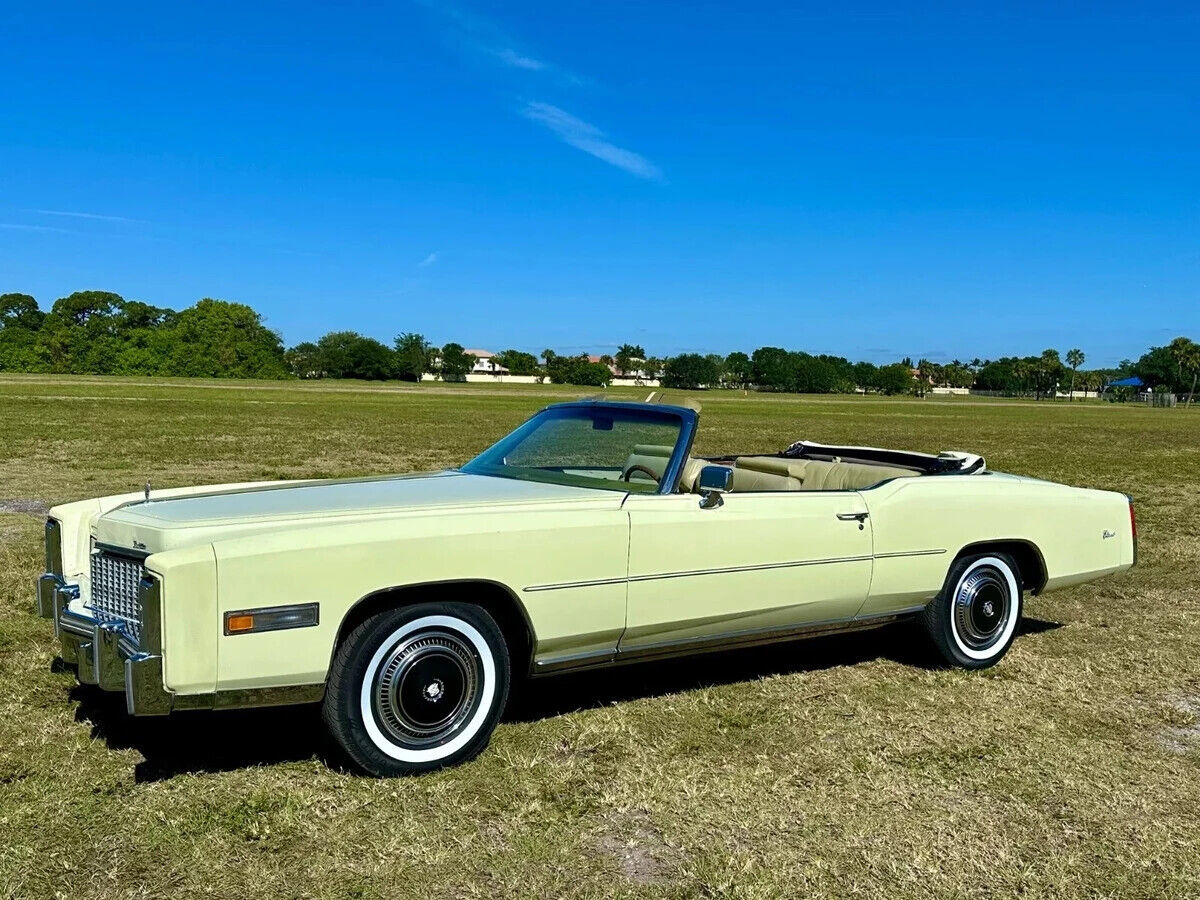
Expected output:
(239, 623)
(272, 618)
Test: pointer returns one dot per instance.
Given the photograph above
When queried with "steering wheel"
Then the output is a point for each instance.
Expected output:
(638, 467)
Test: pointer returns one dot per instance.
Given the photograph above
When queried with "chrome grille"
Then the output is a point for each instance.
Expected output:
(114, 595)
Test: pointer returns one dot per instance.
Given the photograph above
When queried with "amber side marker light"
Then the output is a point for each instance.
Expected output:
(272, 618)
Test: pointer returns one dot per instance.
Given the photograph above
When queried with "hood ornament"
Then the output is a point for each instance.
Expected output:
(147, 492)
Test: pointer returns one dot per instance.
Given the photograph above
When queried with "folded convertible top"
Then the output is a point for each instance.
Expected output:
(945, 463)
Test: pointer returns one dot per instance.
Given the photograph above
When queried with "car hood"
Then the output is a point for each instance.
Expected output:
(163, 524)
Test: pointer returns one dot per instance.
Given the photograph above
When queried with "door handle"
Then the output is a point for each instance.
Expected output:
(859, 517)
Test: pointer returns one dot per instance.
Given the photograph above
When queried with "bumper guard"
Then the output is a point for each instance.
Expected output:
(103, 652)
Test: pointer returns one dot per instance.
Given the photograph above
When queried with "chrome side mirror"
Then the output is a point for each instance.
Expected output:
(712, 483)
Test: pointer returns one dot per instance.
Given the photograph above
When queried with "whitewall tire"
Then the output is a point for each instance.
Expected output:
(974, 620)
(417, 688)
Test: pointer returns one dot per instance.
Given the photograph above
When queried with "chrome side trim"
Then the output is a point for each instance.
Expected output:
(733, 638)
(575, 584)
(272, 696)
(289, 695)
(725, 641)
(575, 660)
(714, 571)
(724, 570)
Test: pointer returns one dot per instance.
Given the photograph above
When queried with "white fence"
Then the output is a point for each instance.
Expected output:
(501, 378)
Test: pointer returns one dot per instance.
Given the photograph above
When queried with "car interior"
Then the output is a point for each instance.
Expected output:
(768, 473)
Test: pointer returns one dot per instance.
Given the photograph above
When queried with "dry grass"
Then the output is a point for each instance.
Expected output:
(841, 767)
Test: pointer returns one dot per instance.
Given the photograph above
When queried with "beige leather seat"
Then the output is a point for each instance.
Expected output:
(769, 473)
(690, 474)
(652, 456)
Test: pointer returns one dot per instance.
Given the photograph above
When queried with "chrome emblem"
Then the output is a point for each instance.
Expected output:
(138, 545)
(1108, 534)
(434, 690)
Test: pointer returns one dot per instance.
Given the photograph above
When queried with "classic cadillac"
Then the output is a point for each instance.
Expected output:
(590, 536)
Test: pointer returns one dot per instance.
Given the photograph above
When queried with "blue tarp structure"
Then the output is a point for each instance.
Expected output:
(1131, 381)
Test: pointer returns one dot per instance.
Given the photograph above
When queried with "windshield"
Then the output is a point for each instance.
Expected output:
(598, 446)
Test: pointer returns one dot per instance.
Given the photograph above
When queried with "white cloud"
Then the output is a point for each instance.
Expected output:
(16, 226)
(427, 261)
(587, 137)
(84, 215)
(511, 57)
(469, 33)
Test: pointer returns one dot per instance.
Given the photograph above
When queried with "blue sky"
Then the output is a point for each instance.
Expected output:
(868, 180)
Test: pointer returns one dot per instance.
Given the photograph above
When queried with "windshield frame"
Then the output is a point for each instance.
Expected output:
(688, 419)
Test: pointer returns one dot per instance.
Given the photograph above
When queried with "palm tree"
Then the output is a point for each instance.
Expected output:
(1021, 371)
(1187, 357)
(1074, 360)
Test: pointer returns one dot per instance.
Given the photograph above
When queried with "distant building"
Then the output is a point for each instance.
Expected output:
(485, 363)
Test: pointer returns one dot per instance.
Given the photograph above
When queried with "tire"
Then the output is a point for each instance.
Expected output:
(417, 688)
(973, 621)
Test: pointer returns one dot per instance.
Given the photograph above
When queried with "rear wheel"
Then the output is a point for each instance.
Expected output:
(417, 688)
(973, 621)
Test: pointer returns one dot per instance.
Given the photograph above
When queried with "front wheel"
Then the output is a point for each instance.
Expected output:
(417, 688)
(973, 621)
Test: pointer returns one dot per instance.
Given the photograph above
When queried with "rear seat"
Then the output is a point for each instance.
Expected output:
(770, 473)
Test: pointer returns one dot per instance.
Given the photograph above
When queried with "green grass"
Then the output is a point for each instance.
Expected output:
(840, 767)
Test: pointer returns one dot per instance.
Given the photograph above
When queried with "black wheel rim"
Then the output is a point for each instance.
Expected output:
(427, 687)
(981, 607)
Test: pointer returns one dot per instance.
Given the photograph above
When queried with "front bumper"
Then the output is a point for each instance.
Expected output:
(103, 652)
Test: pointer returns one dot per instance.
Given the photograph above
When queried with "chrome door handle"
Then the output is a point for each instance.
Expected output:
(853, 517)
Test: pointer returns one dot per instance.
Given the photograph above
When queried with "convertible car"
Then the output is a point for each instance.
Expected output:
(590, 536)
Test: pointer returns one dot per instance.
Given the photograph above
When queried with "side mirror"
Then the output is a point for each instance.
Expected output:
(713, 482)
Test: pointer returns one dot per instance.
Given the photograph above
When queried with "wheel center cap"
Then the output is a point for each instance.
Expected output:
(434, 691)
(989, 608)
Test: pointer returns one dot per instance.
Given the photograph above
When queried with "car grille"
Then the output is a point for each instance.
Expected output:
(114, 595)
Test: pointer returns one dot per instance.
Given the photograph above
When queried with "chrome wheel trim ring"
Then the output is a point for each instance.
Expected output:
(452, 739)
(426, 687)
(980, 633)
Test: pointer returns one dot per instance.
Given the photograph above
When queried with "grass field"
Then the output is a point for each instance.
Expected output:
(843, 767)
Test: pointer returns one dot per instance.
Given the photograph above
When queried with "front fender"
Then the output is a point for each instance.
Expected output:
(336, 565)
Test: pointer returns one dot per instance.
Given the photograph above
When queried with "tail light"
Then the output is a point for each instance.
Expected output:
(1133, 527)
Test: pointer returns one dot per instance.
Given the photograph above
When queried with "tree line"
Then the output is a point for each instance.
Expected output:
(102, 333)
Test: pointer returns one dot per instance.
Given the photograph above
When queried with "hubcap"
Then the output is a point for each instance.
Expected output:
(981, 607)
(426, 688)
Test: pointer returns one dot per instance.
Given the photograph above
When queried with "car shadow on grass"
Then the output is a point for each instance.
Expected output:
(196, 742)
(902, 643)
(203, 741)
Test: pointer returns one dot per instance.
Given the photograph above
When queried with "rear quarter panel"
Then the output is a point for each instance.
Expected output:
(1080, 534)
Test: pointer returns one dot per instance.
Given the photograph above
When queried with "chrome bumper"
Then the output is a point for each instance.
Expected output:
(102, 651)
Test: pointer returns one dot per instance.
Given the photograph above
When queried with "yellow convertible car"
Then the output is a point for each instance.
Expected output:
(590, 536)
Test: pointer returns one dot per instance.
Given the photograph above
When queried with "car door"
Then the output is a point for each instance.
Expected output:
(759, 562)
